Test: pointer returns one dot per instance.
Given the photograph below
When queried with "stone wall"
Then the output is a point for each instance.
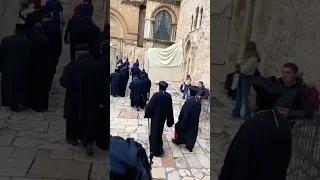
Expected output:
(196, 43)
(9, 10)
(124, 21)
(285, 31)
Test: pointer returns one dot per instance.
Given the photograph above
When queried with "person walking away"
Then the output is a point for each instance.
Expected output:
(159, 109)
(85, 80)
(248, 66)
(15, 64)
(33, 18)
(145, 90)
(135, 92)
(122, 83)
(137, 63)
(202, 92)
(53, 34)
(80, 30)
(86, 8)
(186, 129)
(56, 10)
(126, 64)
(115, 82)
(39, 95)
(135, 71)
(187, 84)
(261, 148)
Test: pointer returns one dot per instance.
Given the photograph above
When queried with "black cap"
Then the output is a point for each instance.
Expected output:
(193, 90)
(163, 85)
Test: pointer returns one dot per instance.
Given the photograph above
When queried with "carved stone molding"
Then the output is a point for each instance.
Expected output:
(174, 2)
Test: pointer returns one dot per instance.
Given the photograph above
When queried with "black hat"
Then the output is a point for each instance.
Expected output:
(163, 85)
(193, 90)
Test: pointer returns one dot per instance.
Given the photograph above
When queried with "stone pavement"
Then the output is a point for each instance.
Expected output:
(222, 128)
(177, 163)
(32, 144)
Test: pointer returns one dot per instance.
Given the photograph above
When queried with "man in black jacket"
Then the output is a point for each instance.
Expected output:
(293, 92)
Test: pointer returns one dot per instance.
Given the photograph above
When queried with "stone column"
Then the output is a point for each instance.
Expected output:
(173, 32)
(147, 28)
(246, 31)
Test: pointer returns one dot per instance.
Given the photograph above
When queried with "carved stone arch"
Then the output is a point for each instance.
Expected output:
(173, 15)
(114, 14)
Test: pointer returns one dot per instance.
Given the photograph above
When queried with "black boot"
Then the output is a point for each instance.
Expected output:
(190, 149)
(176, 141)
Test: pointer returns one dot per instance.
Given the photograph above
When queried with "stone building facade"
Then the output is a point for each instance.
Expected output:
(284, 31)
(193, 30)
(133, 26)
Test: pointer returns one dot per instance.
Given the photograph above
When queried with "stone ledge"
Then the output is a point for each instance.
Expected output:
(159, 41)
(174, 2)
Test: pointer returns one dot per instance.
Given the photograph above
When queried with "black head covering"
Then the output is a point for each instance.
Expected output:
(116, 70)
(193, 90)
(266, 98)
(163, 85)
(19, 28)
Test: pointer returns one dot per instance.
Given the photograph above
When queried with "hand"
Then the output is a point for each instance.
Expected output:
(198, 96)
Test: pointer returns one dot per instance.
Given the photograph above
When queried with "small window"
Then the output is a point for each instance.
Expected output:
(201, 14)
(191, 23)
(196, 19)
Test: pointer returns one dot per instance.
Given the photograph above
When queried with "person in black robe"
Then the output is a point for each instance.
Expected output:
(262, 147)
(135, 71)
(143, 72)
(39, 95)
(145, 89)
(135, 92)
(33, 18)
(80, 30)
(186, 129)
(53, 34)
(115, 82)
(15, 64)
(122, 83)
(127, 73)
(159, 109)
(86, 102)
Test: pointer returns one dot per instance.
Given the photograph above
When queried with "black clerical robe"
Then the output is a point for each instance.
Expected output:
(115, 83)
(261, 149)
(159, 109)
(15, 64)
(86, 99)
(186, 128)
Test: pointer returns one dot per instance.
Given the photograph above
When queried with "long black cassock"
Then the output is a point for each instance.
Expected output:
(261, 149)
(135, 92)
(15, 63)
(145, 89)
(159, 109)
(39, 94)
(86, 81)
(115, 83)
(122, 83)
(187, 126)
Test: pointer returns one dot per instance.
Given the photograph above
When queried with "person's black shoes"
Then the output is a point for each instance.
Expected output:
(175, 141)
(89, 149)
(190, 149)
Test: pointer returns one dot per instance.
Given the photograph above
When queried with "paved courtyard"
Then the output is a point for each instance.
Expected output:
(33, 147)
(177, 163)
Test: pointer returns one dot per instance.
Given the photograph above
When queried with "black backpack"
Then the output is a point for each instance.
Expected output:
(128, 160)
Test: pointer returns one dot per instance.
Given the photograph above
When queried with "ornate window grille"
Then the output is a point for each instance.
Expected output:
(163, 26)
